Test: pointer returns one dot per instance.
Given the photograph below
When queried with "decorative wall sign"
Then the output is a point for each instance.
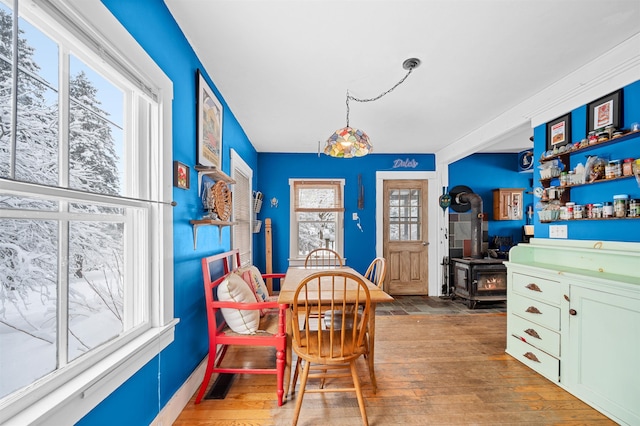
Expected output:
(408, 163)
(559, 132)
(525, 161)
(209, 126)
(180, 175)
(606, 111)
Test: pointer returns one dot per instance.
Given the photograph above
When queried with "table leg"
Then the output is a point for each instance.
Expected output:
(372, 340)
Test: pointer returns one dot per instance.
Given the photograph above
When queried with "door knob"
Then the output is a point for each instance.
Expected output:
(573, 312)
(425, 243)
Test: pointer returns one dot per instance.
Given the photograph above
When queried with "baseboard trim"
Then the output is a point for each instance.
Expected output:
(170, 412)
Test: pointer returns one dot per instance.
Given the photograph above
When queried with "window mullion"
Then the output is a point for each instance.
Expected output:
(62, 314)
(63, 114)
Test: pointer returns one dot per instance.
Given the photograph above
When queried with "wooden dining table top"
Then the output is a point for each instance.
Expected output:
(296, 274)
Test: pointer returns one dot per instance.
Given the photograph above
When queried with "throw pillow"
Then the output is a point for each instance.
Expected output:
(234, 289)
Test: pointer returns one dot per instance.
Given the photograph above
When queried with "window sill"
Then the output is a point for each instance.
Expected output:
(73, 399)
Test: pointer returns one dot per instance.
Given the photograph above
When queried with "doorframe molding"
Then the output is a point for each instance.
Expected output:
(433, 185)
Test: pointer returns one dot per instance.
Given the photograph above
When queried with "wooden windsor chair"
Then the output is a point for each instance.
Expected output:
(328, 352)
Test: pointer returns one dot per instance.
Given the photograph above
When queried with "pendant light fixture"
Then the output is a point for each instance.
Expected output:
(351, 142)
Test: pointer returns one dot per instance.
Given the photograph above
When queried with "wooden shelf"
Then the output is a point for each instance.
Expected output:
(213, 173)
(207, 222)
(587, 218)
(627, 136)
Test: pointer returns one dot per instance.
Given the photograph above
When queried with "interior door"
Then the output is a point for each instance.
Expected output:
(405, 236)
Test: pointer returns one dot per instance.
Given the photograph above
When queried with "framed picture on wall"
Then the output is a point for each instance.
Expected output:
(209, 126)
(180, 175)
(559, 132)
(606, 111)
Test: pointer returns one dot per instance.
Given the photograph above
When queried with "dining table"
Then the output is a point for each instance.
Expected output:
(288, 288)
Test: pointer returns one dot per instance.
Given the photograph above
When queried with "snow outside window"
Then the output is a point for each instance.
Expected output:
(79, 138)
(317, 216)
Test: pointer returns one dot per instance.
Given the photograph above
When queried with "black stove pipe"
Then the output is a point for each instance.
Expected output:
(476, 221)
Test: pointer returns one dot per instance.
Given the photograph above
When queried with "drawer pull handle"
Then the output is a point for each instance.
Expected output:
(533, 310)
(531, 356)
(567, 298)
(533, 287)
(531, 332)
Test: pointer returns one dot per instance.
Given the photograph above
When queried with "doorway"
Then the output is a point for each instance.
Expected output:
(405, 236)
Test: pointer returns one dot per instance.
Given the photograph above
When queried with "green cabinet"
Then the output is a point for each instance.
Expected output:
(573, 315)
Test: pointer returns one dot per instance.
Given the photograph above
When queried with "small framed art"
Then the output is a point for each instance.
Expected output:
(559, 132)
(209, 126)
(606, 111)
(180, 175)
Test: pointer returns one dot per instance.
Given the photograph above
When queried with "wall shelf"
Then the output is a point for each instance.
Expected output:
(588, 218)
(207, 222)
(628, 136)
(213, 173)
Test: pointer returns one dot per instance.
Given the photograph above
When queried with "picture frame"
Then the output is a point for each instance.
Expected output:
(209, 125)
(605, 111)
(559, 132)
(180, 175)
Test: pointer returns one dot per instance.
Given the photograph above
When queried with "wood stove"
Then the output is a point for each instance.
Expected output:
(479, 280)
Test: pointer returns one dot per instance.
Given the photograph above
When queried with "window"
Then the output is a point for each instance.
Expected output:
(242, 236)
(317, 216)
(82, 244)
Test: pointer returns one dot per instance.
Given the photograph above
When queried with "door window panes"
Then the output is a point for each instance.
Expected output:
(404, 215)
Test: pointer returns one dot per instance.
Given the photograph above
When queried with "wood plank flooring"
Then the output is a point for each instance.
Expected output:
(436, 369)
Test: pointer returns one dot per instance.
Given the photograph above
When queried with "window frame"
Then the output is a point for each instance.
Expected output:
(294, 258)
(64, 397)
(239, 166)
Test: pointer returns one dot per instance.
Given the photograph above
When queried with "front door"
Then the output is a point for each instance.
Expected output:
(405, 236)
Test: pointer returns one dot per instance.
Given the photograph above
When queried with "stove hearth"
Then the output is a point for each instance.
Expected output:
(479, 280)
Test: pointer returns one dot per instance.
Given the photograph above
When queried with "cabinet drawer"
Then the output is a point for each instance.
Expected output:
(534, 358)
(535, 334)
(535, 311)
(538, 288)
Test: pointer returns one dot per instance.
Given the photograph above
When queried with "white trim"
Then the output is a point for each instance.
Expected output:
(170, 412)
(75, 397)
(617, 68)
(433, 225)
(294, 259)
(238, 164)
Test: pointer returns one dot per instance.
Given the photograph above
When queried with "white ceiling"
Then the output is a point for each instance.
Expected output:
(284, 67)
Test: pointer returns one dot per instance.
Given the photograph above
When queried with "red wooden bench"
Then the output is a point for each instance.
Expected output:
(214, 270)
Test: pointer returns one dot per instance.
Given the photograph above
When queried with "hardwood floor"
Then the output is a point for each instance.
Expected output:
(432, 369)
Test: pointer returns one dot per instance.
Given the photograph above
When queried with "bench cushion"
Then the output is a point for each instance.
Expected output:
(234, 289)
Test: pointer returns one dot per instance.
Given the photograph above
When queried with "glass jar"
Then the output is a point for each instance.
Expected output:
(613, 169)
(563, 179)
(634, 208)
(607, 209)
(588, 211)
(592, 137)
(578, 211)
(627, 167)
(597, 210)
(570, 205)
(620, 205)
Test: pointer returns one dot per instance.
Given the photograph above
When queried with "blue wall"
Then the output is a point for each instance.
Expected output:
(274, 171)
(616, 230)
(139, 400)
(485, 172)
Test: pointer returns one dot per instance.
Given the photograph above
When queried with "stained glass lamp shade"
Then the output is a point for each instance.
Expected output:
(347, 143)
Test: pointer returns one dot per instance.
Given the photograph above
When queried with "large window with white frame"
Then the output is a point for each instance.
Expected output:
(82, 240)
(317, 216)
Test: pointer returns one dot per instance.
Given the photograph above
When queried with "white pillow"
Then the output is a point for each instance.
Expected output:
(234, 289)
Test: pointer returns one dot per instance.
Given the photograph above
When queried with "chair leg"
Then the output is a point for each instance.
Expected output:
(280, 364)
(295, 375)
(205, 380)
(303, 384)
(356, 384)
